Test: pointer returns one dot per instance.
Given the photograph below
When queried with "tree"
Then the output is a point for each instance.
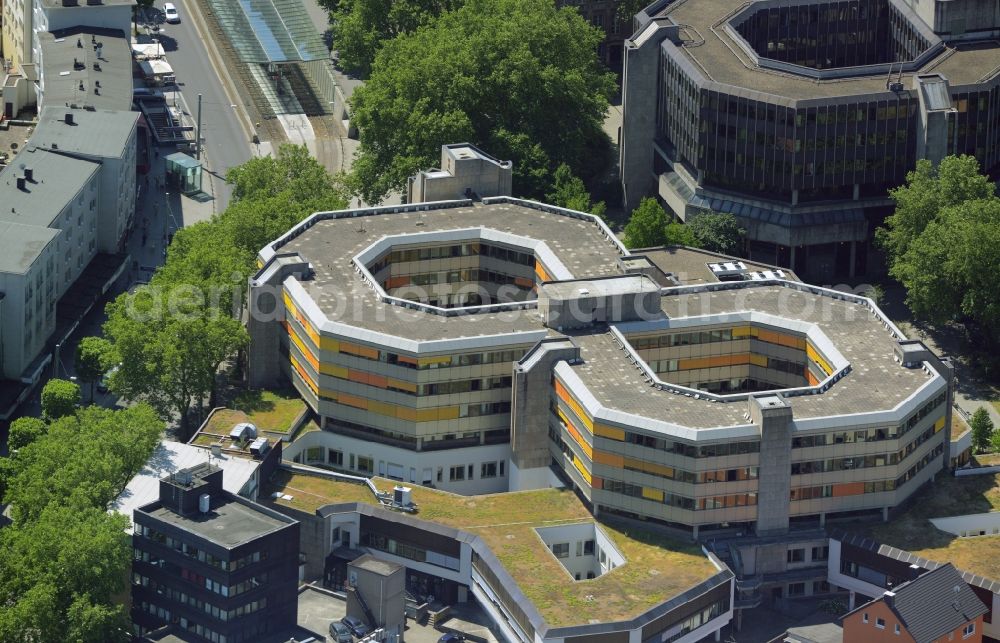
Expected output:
(83, 460)
(679, 234)
(169, 358)
(718, 232)
(361, 27)
(568, 191)
(171, 338)
(91, 360)
(61, 573)
(518, 78)
(65, 559)
(23, 431)
(943, 243)
(59, 398)
(927, 192)
(647, 227)
(982, 430)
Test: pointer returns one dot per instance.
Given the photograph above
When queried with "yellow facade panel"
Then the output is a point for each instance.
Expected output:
(652, 494)
(609, 432)
(582, 468)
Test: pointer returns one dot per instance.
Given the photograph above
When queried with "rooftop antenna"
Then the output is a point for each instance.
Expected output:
(888, 78)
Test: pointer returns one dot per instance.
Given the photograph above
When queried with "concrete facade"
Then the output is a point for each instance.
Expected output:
(465, 170)
(51, 227)
(801, 137)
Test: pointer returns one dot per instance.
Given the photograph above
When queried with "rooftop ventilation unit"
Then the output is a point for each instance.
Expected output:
(204, 503)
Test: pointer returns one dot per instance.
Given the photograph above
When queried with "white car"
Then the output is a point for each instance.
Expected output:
(170, 13)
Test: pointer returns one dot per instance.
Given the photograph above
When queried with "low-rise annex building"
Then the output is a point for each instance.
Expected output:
(499, 345)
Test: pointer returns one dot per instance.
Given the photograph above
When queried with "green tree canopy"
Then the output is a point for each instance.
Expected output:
(91, 360)
(943, 243)
(60, 574)
(982, 430)
(718, 232)
(59, 398)
(361, 27)
(172, 337)
(647, 227)
(65, 560)
(568, 191)
(518, 78)
(23, 431)
(84, 459)
(927, 193)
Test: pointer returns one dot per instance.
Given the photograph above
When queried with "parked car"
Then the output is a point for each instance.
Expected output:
(451, 637)
(170, 13)
(356, 625)
(339, 633)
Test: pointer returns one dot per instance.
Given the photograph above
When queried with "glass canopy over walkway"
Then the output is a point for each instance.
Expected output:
(270, 31)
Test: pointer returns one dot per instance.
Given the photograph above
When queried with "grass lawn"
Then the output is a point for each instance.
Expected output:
(656, 568)
(949, 496)
(267, 410)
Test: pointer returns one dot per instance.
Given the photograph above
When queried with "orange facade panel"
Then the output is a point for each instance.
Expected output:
(397, 282)
(360, 351)
(540, 272)
(610, 459)
(564, 395)
(848, 489)
(577, 437)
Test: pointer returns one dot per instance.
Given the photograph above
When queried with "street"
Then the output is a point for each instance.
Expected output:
(226, 143)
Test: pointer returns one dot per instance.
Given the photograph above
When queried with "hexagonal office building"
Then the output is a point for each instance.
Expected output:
(482, 347)
(799, 116)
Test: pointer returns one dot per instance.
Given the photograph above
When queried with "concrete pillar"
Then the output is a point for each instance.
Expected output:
(854, 252)
(694, 532)
(773, 415)
(718, 634)
(885, 514)
(791, 257)
(822, 520)
(857, 191)
(795, 197)
(850, 604)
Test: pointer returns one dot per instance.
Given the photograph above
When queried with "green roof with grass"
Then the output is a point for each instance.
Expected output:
(656, 568)
(948, 496)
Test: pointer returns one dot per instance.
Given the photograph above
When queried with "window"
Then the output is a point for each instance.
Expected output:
(897, 629)
(880, 622)
(864, 617)
(796, 589)
(456, 473)
(470, 472)
(820, 553)
(796, 555)
(336, 458)
(968, 630)
(365, 464)
(560, 550)
(488, 470)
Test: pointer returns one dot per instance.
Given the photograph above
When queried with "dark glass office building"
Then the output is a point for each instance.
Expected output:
(216, 565)
(799, 116)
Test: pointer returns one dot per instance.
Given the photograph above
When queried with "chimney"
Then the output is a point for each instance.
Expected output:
(79, 43)
(20, 184)
(69, 118)
(889, 597)
(29, 175)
